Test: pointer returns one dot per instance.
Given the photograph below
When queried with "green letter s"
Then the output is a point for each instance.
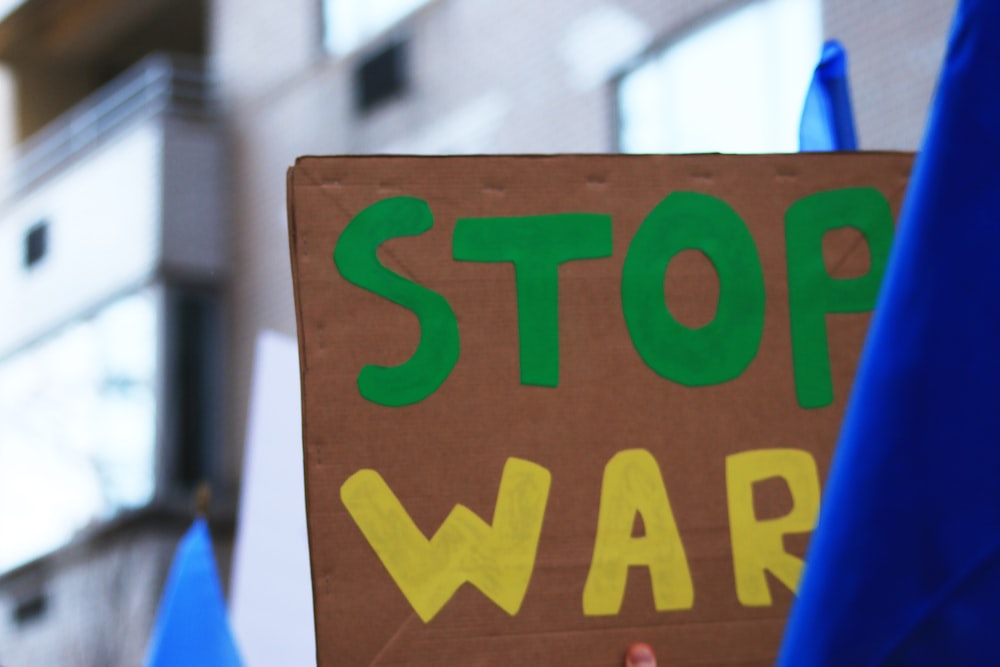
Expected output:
(356, 259)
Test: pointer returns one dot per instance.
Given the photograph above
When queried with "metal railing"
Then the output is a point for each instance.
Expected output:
(157, 84)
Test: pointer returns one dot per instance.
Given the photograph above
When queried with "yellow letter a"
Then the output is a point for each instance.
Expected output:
(632, 483)
(497, 559)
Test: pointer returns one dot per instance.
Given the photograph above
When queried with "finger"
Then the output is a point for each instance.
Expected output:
(640, 655)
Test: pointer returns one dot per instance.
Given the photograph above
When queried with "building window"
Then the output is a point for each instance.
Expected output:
(381, 77)
(78, 426)
(735, 85)
(347, 24)
(36, 244)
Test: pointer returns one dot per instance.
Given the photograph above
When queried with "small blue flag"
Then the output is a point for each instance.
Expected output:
(904, 567)
(827, 119)
(192, 629)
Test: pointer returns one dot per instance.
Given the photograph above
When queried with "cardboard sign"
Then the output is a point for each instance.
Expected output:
(555, 405)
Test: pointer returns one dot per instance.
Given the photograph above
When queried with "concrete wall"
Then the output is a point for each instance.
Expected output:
(97, 600)
(896, 48)
(98, 595)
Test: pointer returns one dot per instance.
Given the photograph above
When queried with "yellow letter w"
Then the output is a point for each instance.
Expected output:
(497, 559)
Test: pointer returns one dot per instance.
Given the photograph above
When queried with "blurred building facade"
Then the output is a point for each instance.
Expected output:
(143, 243)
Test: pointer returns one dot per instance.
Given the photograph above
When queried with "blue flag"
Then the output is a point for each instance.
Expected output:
(904, 567)
(827, 119)
(191, 624)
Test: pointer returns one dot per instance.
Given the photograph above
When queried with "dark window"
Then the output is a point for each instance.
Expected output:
(30, 609)
(36, 244)
(381, 76)
(193, 393)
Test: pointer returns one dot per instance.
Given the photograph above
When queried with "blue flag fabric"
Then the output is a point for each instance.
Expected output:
(827, 118)
(904, 567)
(191, 627)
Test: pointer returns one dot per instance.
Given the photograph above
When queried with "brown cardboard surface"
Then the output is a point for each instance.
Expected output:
(451, 447)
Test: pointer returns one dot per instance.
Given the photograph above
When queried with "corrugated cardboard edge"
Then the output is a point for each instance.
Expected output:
(293, 250)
